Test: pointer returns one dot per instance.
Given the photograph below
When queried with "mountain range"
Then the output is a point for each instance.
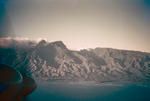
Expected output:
(54, 61)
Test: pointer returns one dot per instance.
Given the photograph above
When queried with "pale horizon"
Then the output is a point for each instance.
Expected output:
(68, 45)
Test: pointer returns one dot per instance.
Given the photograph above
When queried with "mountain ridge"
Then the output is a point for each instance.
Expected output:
(54, 61)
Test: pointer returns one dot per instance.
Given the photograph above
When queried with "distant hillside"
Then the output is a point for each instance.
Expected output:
(54, 61)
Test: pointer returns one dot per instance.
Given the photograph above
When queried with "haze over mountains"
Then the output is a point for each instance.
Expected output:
(54, 61)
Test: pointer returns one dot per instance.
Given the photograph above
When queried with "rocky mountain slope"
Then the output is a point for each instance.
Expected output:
(54, 61)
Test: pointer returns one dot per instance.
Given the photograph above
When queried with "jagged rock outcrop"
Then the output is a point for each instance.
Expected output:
(54, 61)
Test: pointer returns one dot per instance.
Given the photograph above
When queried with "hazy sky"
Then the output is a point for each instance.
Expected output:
(123, 24)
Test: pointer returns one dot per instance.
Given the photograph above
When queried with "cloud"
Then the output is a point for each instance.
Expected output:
(17, 42)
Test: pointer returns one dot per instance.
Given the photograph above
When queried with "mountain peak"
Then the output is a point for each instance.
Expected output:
(42, 42)
(59, 44)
